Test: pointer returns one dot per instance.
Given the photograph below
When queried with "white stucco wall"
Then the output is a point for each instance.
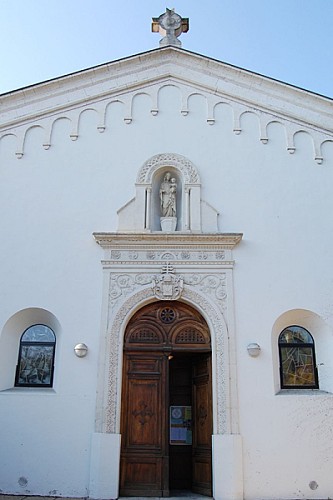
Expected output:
(52, 201)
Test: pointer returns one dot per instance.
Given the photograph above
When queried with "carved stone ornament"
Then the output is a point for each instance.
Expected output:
(170, 25)
(109, 422)
(167, 286)
(188, 170)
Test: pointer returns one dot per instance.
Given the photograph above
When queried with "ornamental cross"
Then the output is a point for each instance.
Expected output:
(170, 25)
(167, 286)
(144, 413)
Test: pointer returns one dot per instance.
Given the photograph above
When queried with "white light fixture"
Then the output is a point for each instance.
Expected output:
(253, 349)
(81, 350)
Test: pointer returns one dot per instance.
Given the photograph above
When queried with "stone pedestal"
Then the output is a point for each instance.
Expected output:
(168, 224)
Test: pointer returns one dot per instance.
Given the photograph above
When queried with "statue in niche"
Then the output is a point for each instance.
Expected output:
(168, 193)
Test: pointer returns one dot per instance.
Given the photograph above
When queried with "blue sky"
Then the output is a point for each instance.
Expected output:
(290, 40)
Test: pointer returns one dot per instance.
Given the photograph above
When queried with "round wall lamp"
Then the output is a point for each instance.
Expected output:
(253, 349)
(81, 350)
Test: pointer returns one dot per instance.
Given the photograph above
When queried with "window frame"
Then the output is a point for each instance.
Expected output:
(34, 343)
(289, 345)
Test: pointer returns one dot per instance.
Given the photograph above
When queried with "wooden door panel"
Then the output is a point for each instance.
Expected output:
(143, 414)
(141, 476)
(154, 332)
(203, 433)
(202, 429)
(143, 443)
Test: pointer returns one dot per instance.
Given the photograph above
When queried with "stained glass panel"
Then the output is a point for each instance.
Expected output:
(297, 366)
(38, 333)
(36, 357)
(297, 358)
(35, 365)
(295, 335)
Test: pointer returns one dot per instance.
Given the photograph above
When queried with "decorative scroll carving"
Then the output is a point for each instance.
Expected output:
(211, 284)
(124, 284)
(201, 258)
(115, 254)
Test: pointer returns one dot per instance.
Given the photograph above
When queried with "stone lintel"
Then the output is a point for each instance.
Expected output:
(159, 239)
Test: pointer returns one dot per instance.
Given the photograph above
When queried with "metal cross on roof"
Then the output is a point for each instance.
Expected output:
(170, 25)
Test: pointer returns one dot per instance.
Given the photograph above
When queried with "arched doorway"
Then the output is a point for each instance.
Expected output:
(166, 421)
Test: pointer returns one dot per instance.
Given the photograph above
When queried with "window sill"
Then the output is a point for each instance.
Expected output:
(301, 392)
(28, 390)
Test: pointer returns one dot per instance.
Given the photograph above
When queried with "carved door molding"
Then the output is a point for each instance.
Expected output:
(110, 394)
(133, 265)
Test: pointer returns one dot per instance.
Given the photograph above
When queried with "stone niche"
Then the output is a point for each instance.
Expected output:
(143, 213)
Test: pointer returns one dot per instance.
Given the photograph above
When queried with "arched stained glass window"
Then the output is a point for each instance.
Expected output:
(36, 357)
(297, 359)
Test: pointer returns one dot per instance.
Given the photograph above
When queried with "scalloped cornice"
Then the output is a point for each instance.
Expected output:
(123, 76)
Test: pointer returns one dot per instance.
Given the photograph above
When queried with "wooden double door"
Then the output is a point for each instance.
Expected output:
(166, 422)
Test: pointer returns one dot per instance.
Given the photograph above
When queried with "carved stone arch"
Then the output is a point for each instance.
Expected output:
(9, 140)
(110, 410)
(164, 87)
(185, 166)
(108, 104)
(83, 113)
(276, 130)
(326, 149)
(306, 139)
(251, 113)
(27, 133)
(226, 108)
(136, 95)
(149, 179)
(56, 123)
(143, 213)
(201, 95)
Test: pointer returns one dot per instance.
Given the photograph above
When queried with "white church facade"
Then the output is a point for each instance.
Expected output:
(166, 319)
